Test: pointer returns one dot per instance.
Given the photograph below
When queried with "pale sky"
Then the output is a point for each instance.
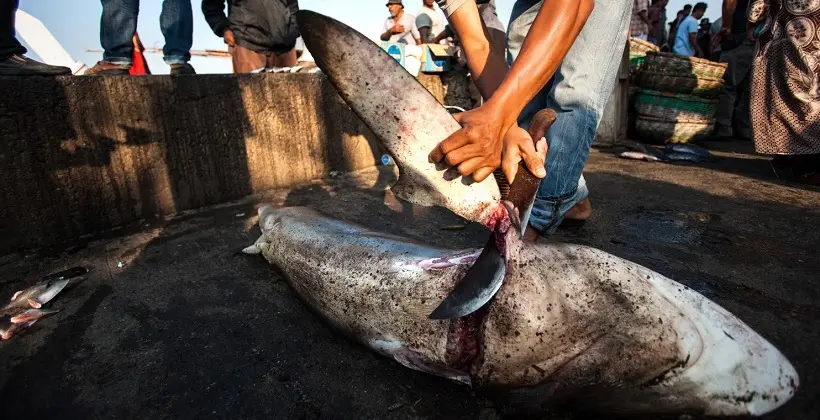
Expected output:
(76, 25)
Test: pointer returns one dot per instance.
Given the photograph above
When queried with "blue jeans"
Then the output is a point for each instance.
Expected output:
(578, 92)
(9, 45)
(119, 23)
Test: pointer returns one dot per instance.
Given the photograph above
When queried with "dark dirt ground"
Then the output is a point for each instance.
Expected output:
(189, 328)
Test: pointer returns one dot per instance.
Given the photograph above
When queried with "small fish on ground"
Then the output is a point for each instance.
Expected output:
(692, 149)
(686, 157)
(35, 296)
(645, 149)
(32, 314)
(640, 156)
(8, 328)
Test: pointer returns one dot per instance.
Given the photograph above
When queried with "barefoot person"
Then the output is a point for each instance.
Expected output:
(565, 56)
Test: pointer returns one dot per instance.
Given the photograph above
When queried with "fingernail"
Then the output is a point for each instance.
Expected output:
(541, 172)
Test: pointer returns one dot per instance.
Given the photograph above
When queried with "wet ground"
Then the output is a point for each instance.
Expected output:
(174, 323)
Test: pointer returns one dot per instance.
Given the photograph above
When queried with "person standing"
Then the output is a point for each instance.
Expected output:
(561, 54)
(657, 22)
(639, 25)
(785, 75)
(675, 24)
(737, 48)
(13, 61)
(400, 27)
(429, 21)
(686, 42)
(118, 25)
(259, 33)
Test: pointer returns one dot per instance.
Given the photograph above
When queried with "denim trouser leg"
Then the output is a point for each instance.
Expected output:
(578, 93)
(177, 24)
(117, 27)
(9, 45)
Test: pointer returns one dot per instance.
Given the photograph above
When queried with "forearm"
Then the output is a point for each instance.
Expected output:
(728, 10)
(214, 12)
(386, 36)
(553, 32)
(487, 66)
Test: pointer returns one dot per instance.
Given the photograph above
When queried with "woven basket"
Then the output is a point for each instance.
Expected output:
(637, 52)
(674, 107)
(679, 65)
(689, 85)
(640, 47)
(653, 129)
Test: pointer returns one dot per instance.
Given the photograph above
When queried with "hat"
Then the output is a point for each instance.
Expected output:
(389, 2)
(704, 21)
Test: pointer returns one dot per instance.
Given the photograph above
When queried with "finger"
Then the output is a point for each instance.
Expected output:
(482, 173)
(454, 141)
(541, 149)
(469, 166)
(534, 163)
(458, 116)
(463, 153)
(509, 163)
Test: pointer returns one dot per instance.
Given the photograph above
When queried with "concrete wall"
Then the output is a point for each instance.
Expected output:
(84, 154)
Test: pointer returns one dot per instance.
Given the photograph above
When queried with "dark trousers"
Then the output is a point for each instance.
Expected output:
(9, 45)
(119, 23)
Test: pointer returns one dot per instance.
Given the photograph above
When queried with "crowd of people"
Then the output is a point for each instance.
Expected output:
(556, 54)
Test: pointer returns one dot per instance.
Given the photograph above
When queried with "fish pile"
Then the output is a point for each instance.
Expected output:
(539, 324)
(673, 152)
(27, 306)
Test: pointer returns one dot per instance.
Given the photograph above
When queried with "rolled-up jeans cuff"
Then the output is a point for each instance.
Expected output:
(118, 61)
(547, 213)
(171, 60)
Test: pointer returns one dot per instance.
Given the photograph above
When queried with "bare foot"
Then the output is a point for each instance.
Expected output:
(580, 211)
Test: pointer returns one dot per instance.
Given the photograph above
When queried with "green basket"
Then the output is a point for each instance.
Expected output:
(656, 130)
(689, 85)
(680, 65)
(674, 106)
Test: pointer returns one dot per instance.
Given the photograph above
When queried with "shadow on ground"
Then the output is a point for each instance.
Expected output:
(190, 328)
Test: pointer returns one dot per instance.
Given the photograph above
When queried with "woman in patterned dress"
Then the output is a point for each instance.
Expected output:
(785, 89)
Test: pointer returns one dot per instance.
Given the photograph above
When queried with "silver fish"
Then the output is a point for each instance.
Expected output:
(8, 328)
(35, 296)
(640, 156)
(568, 320)
(692, 149)
(645, 149)
(32, 314)
(686, 157)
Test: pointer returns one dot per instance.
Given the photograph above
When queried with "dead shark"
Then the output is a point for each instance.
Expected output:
(568, 323)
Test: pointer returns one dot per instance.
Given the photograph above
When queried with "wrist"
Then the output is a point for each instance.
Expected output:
(499, 110)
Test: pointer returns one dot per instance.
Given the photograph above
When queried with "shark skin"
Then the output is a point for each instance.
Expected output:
(570, 323)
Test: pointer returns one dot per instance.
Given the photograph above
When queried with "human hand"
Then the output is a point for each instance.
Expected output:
(227, 36)
(478, 147)
(397, 29)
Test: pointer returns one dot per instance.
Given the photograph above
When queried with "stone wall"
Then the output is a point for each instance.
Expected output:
(83, 154)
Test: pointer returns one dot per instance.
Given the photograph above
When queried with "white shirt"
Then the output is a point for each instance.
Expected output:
(437, 18)
(410, 34)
